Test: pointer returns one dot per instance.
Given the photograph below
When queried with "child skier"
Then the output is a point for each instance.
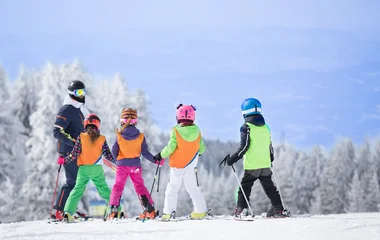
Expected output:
(256, 149)
(129, 146)
(88, 150)
(184, 147)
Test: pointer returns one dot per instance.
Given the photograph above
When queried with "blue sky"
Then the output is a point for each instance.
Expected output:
(314, 65)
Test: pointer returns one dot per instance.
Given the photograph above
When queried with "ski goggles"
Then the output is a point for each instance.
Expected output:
(78, 92)
(132, 121)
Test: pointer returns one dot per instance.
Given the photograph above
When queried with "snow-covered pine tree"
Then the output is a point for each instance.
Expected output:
(11, 157)
(360, 184)
(372, 196)
(24, 102)
(364, 159)
(284, 162)
(337, 178)
(318, 158)
(304, 183)
(376, 160)
(356, 195)
(4, 89)
(43, 167)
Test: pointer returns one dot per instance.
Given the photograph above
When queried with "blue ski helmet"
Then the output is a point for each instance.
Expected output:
(250, 106)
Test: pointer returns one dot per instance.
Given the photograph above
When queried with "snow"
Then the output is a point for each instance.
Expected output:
(357, 226)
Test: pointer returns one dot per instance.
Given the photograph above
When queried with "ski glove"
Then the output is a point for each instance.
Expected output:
(157, 157)
(160, 162)
(61, 160)
(232, 159)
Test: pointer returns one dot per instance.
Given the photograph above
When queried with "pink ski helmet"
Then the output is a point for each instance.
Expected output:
(185, 112)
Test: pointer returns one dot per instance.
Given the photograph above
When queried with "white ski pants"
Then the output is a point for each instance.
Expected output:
(188, 176)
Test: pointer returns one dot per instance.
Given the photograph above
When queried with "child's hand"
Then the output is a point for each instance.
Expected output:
(231, 159)
(61, 160)
(157, 157)
(160, 162)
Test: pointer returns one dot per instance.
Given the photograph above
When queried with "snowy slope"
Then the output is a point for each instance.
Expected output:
(364, 226)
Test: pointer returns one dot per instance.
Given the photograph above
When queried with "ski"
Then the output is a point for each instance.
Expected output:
(243, 219)
(76, 220)
(173, 218)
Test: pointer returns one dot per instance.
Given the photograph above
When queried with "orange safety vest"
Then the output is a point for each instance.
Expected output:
(185, 152)
(129, 148)
(91, 151)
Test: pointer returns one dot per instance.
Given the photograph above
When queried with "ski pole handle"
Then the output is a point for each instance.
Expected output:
(224, 161)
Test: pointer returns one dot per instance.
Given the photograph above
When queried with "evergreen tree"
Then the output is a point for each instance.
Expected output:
(372, 197)
(318, 159)
(356, 195)
(11, 157)
(42, 158)
(337, 178)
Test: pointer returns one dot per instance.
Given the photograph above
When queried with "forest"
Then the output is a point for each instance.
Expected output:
(342, 179)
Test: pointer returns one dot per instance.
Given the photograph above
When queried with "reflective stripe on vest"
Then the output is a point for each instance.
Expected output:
(258, 153)
(91, 151)
(185, 152)
(129, 148)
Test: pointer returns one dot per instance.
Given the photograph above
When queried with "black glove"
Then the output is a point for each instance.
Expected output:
(157, 157)
(232, 159)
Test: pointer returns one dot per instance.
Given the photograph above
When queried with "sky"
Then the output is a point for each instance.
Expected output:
(313, 64)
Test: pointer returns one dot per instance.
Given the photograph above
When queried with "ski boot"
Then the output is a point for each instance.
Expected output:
(198, 216)
(277, 212)
(167, 217)
(113, 213)
(149, 213)
(59, 216)
(238, 212)
(68, 217)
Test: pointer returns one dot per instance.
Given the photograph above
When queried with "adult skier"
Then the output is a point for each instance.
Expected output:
(67, 127)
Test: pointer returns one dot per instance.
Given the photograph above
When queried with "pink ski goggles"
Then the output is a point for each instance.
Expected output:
(133, 121)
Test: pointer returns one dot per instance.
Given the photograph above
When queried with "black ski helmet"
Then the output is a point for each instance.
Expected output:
(75, 85)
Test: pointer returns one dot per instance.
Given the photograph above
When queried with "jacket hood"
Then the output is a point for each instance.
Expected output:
(130, 133)
(256, 119)
(189, 132)
(83, 108)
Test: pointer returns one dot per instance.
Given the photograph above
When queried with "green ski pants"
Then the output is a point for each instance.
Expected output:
(85, 174)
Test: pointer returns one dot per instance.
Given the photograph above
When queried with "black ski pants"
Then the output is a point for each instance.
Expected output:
(71, 172)
(265, 177)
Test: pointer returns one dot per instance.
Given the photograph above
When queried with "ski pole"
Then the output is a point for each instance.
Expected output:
(241, 189)
(279, 192)
(154, 178)
(222, 165)
(158, 180)
(55, 190)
